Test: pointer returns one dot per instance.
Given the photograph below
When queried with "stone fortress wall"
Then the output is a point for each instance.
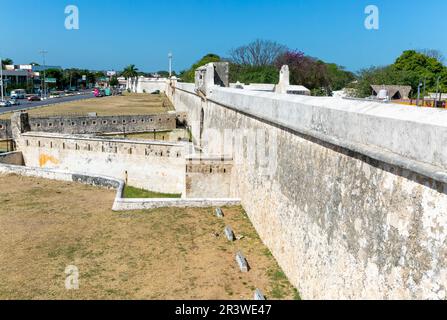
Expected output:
(210, 178)
(147, 164)
(154, 166)
(104, 124)
(356, 206)
(352, 201)
(5, 129)
(98, 124)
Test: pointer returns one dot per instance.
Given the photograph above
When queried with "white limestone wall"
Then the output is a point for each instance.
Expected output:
(120, 203)
(414, 133)
(152, 166)
(352, 210)
(146, 85)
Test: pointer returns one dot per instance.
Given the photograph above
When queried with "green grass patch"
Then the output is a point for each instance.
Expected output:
(136, 193)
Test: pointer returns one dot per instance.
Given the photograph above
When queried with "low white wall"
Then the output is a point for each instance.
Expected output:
(147, 85)
(148, 204)
(120, 203)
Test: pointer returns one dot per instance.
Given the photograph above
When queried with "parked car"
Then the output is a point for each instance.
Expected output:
(34, 98)
(14, 102)
(5, 103)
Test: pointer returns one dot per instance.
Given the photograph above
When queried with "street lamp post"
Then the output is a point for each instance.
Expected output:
(419, 93)
(44, 94)
(1, 77)
(423, 95)
(170, 64)
(437, 91)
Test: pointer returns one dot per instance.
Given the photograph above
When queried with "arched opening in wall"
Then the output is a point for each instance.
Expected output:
(202, 119)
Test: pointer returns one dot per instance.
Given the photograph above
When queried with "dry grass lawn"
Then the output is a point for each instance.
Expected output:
(160, 254)
(129, 104)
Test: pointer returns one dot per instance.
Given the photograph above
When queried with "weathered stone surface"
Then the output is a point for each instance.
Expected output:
(5, 129)
(341, 225)
(229, 233)
(91, 124)
(242, 262)
(208, 178)
(152, 166)
(219, 213)
(258, 295)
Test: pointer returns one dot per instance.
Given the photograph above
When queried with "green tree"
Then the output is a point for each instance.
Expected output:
(253, 74)
(165, 74)
(71, 77)
(58, 75)
(114, 81)
(419, 67)
(339, 78)
(307, 71)
(410, 68)
(130, 71)
(189, 75)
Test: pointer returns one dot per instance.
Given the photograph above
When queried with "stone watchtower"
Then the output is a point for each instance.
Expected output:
(210, 75)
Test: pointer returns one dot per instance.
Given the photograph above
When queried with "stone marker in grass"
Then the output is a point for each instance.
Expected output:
(259, 295)
(242, 262)
(229, 233)
(219, 213)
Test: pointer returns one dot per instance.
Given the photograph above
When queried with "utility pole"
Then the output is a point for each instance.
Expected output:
(170, 64)
(43, 53)
(1, 77)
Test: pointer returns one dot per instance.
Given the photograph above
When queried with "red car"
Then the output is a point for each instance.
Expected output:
(34, 98)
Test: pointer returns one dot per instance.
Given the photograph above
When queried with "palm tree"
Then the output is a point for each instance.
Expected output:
(130, 71)
(6, 62)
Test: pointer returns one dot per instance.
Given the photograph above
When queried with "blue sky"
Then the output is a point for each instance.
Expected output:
(113, 33)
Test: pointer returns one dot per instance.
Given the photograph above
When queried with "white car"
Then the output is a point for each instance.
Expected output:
(5, 103)
(14, 102)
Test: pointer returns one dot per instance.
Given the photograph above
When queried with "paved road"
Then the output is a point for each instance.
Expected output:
(27, 104)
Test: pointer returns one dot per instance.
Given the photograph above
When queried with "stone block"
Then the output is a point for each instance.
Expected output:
(258, 295)
(242, 262)
(229, 234)
(219, 213)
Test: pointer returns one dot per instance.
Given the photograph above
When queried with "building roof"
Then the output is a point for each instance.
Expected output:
(404, 91)
(42, 68)
(298, 88)
(15, 73)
